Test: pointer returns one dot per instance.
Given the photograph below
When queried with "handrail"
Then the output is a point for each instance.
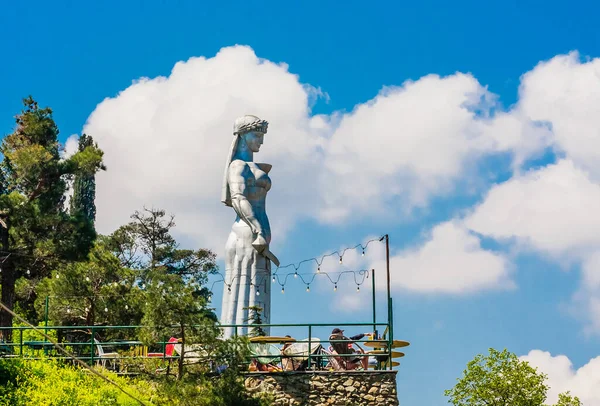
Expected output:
(92, 330)
(219, 325)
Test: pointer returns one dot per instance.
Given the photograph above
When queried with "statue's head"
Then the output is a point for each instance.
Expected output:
(252, 130)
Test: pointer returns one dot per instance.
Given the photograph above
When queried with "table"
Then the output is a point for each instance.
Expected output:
(395, 344)
(272, 340)
(394, 354)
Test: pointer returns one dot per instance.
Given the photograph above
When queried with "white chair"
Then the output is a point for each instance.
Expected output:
(103, 357)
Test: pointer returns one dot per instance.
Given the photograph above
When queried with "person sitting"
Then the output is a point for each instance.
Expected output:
(343, 345)
(287, 363)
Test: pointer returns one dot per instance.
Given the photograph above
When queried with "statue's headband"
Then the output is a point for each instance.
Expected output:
(257, 125)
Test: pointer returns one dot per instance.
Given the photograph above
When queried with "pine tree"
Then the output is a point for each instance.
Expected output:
(36, 233)
(84, 187)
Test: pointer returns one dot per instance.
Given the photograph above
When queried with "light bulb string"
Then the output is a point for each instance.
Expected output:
(319, 260)
(363, 272)
(260, 279)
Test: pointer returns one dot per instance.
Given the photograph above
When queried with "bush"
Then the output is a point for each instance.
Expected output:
(48, 383)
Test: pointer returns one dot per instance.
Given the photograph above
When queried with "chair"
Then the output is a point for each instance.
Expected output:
(111, 357)
(295, 356)
(338, 363)
(6, 351)
(265, 357)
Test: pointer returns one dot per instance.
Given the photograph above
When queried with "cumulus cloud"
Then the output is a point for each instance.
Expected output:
(166, 140)
(450, 261)
(71, 146)
(415, 141)
(565, 92)
(583, 382)
(553, 209)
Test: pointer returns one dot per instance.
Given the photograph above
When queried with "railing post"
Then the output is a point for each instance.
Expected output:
(309, 345)
(21, 341)
(391, 333)
(92, 348)
(374, 312)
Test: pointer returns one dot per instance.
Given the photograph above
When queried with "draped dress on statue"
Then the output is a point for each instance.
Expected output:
(246, 270)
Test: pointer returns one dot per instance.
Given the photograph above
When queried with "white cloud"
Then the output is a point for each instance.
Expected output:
(165, 142)
(583, 382)
(71, 146)
(166, 139)
(451, 261)
(565, 92)
(553, 209)
(413, 142)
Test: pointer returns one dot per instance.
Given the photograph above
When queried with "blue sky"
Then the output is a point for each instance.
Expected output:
(487, 194)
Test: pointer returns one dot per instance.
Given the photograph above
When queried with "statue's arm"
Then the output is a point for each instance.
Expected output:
(238, 173)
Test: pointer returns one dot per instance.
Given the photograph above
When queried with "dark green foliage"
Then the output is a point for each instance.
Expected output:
(196, 387)
(96, 291)
(171, 279)
(36, 232)
(138, 275)
(255, 319)
(84, 186)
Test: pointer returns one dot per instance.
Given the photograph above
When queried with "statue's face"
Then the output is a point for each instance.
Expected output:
(254, 140)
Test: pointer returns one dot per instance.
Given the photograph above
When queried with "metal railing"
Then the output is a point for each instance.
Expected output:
(91, 351)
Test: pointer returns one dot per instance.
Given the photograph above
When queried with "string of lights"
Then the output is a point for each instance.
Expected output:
(281, 279)
(362, 275)
(277, 277)
(340, 254)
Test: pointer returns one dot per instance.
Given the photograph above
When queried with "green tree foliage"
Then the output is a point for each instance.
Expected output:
(565, 399)
(84, 186)
(96, 291)
(45, 382)
(171, 279)
(501, 379)
(82, 203)
(254, 318)
(36, 232)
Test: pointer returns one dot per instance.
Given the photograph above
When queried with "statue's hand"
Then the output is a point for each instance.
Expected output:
(260, 244)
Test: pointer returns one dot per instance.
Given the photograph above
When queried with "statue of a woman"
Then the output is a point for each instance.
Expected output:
(247, 255)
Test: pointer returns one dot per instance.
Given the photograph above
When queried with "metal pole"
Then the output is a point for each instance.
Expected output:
(391, 334)
(387, 268)
(309, 344)
(374, 313)
(92, 348)
(46, 322)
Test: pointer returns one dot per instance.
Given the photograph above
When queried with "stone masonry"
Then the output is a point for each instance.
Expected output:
(347, 388)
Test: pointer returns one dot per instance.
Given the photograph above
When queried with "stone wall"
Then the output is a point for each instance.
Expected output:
(326, 387)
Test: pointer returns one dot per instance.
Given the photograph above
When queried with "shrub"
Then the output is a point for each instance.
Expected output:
(48, 383)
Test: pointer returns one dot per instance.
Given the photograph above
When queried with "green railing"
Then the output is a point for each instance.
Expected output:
(91, 351)
(386, 341)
